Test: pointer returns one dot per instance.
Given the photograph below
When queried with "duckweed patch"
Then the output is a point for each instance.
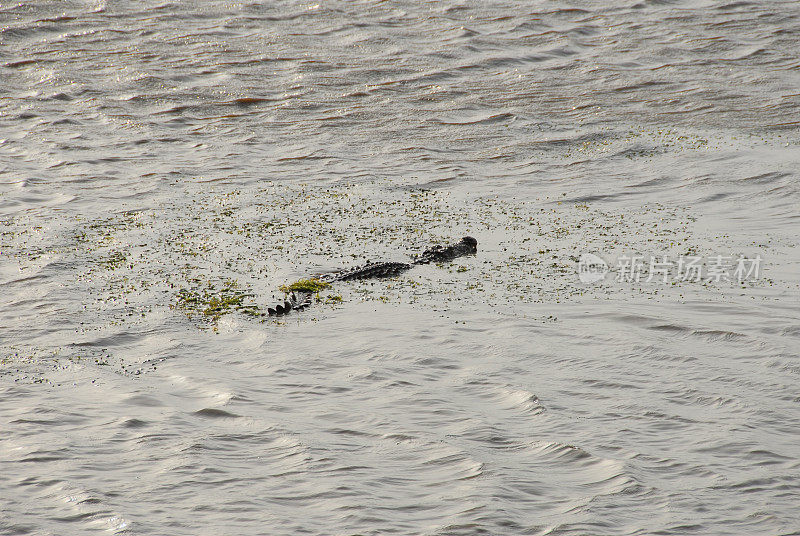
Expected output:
(305, 285)
(138, 261)
(212, 303)
(115, 260)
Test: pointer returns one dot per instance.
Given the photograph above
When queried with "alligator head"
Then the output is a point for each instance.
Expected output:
(471, 243)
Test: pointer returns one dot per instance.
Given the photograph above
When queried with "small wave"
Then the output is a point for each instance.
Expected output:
(734, 6)
(247, 101)
(135, 423)
(762, 457)
(216, 413)
(482, 119)
(764, 178)
(143, 400)
(21, 63)
(519, 399)
(714, 335)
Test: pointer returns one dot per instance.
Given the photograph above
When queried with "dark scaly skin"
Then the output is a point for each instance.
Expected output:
(466, 246)
(370, 270)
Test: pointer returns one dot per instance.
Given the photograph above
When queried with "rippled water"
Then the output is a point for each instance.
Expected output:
(151, 151)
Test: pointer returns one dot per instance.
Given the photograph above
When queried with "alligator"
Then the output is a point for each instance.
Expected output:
(299, 300)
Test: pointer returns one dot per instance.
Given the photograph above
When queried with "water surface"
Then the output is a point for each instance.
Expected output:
(149, 148)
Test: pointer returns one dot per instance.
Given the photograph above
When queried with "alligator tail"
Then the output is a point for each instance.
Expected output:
(292, 303)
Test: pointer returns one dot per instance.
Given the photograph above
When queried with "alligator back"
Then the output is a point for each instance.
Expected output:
(372, 269)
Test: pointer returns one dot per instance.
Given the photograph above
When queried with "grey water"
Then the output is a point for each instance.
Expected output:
(158, 159)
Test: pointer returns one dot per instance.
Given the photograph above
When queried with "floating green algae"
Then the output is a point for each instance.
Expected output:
(116, 260)
(305, 285)
(213, 303)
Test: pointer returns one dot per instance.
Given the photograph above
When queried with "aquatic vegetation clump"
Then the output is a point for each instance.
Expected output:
(116, 260)
(305, 285)
(214, 303)
(332, 299)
